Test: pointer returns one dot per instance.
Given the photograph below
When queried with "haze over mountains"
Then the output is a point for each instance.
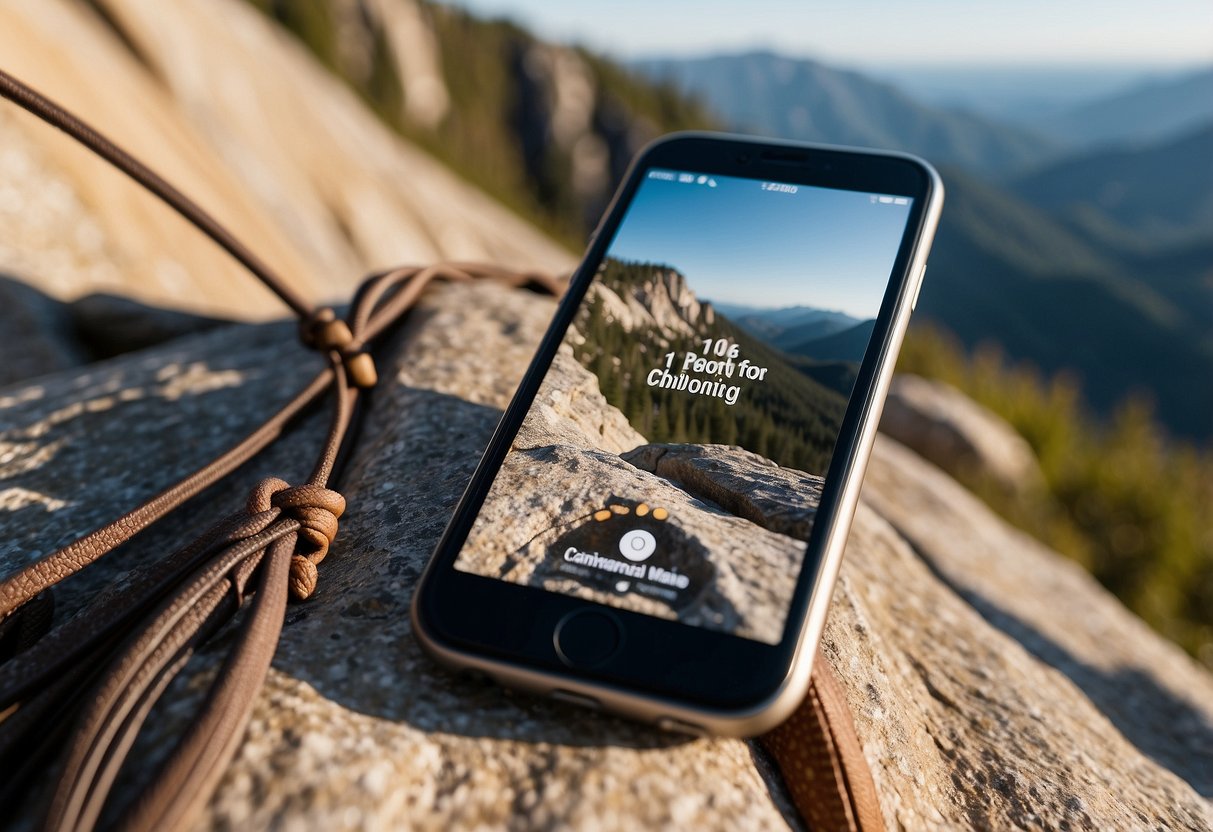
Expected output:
(769, 94)
(1158, 193)
(818, 334)
(1149, 111)
(787, 325)
(800, 98)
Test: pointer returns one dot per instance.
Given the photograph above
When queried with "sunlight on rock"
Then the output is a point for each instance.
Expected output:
(196, 378)
(15, 499)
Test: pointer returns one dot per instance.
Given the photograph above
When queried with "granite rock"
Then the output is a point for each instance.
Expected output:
(745, 484)
(948, 428)
(1152, 691)
(982, 688)
(570, 409)
(239, 116)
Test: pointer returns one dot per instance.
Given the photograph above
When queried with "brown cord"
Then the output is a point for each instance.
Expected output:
(91, 682)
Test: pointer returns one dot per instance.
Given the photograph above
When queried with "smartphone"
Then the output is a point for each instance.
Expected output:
(657, 524)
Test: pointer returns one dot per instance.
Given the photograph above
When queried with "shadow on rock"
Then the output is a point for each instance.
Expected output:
(1163, 726)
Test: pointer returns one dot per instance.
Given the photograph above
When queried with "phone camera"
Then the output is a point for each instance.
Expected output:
(743, 158)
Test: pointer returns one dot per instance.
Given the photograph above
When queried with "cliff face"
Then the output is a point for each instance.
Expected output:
(993, 684)
(238, 115)
(660, 301)
(548, 126)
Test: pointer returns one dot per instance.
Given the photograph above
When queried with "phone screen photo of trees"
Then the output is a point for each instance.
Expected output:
(638, 313)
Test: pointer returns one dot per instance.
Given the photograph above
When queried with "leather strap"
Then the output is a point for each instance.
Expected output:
(79, 693)
(822, 760)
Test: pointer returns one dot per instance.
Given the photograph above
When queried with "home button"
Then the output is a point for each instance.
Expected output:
(586, 638)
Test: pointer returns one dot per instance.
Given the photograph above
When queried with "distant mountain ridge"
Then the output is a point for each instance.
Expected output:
(1003, 271)
(1143, 196)
(803, 99)
(785, 326)
(847, 345)
(1155, 111)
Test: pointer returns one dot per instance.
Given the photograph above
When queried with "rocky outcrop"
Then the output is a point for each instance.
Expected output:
(569, 409)
(965, 439)
(661, 301)
(1149, 689)
(743, 483)
(234, 112)
(993, 683)
(415, 55)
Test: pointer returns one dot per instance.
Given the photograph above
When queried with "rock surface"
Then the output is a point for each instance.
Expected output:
(993, 684)
(951, 430)
(239, 117)
(743, 483)
(570, 409)
(1147, 687)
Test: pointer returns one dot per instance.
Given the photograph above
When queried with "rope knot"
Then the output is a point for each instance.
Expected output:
(316, 509)
(324, 331)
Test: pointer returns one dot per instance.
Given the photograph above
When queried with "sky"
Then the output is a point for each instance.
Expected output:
(737, 243)
(868, 33)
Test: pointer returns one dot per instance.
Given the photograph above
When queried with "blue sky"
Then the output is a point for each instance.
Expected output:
(883, 32)
(737, 243)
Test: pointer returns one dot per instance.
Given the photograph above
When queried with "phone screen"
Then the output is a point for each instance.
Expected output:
(725, 326)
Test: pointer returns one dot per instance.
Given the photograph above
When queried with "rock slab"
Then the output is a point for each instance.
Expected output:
(965, 720)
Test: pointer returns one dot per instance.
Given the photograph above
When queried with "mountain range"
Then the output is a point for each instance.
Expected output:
(1090, 261)
(782, 327)
(799, 98)
(821, 335)
(770, 94)
(1155, 194)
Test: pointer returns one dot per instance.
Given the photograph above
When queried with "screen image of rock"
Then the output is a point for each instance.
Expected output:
(707, 371)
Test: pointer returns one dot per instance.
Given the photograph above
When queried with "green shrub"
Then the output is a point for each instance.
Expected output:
(1132, 505)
